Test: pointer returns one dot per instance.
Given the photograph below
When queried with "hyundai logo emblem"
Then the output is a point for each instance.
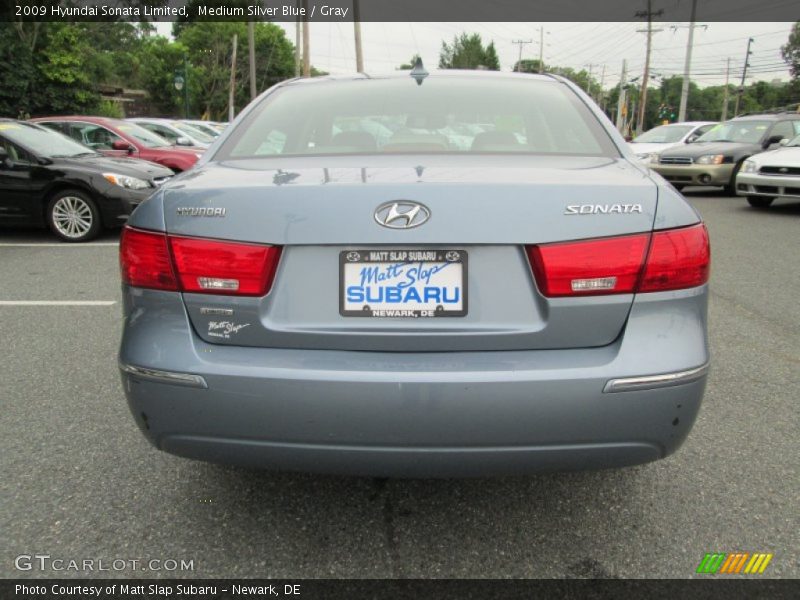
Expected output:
(402, 214)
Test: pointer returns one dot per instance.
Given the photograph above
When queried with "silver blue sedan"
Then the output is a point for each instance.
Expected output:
(316, 297)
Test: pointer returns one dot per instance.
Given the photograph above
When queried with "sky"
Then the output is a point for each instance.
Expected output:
(577, 45)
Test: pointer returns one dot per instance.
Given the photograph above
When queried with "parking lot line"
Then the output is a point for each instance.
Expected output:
(56, 245)
(57, 302)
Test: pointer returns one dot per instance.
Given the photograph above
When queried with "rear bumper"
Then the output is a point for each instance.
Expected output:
(416, 414)
(695, 174)
(754, 184)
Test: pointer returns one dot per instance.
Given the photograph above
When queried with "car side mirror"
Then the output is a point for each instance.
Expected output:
(3, 158)
(773, 139)
(784, 141)
(183, 141)
(122, 145)
(692, 138)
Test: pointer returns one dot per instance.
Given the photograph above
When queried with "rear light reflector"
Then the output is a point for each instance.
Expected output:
(590, 267)
(144, 260)
(159, 261)
(666, 260)
(217, 267)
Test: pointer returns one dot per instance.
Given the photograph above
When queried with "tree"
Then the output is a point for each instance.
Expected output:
(158, 60)
(44, 70)
(791, 51)
(528, 65)
(410, 64)
(208, 45)
(467, 52)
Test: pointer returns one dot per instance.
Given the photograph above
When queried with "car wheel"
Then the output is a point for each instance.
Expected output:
(759, 201)
(730, 189)
(73, 216)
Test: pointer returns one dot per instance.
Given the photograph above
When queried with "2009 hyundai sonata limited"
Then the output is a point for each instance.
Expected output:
(444, 274)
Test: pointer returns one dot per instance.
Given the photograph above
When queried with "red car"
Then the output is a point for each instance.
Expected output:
(115, 137)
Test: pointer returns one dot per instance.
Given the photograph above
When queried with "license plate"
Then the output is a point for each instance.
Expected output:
(403, 283)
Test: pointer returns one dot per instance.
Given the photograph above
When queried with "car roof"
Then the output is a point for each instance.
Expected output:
(768, 116)
(436, 73)
(88, 119)
(688, 123)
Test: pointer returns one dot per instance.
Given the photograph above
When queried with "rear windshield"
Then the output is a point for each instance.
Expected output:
(443, 115)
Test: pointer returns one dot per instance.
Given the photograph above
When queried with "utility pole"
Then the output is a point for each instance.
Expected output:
(541, 49)
(297, 41)
(622, 99)
(649, 13)
(687, 64)
(231, 90)
(306, 42)
(521, 43)
(725, 100)
(251, 46)
(601, 97)
(740, 92)
(357, 32)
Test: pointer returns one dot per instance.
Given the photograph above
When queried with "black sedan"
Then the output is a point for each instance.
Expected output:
(48, 179)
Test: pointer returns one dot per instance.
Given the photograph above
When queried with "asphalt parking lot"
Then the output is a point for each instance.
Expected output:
(80, 482)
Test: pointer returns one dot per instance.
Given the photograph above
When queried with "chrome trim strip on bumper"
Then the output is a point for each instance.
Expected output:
(625, 384)
(164, 376)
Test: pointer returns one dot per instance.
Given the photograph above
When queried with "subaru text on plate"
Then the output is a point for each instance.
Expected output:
(312, 298)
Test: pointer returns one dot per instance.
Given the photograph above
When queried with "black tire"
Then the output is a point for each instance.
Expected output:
(759, 201)
(73, 216)
(730, 189)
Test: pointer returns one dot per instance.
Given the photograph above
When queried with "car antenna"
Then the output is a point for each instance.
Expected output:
(419, 73)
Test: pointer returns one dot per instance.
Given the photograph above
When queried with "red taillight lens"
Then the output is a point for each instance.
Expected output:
(591, 267)
(158, 261)
(144, 260)
(216, 267)
(676, 259)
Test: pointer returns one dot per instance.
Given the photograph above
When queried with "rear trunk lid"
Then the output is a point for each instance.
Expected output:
(485, 208)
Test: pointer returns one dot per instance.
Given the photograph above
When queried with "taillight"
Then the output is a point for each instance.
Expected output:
(678, 259)
(216, 267)
(666, 260)
(160, 261)
(144, 260)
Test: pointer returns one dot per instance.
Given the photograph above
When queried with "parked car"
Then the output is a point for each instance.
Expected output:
(650, 144)
(48, 179)
(176, 132)
(206, 127)
(716, 157)
(417, 308)
(115, 137)
(769, 175)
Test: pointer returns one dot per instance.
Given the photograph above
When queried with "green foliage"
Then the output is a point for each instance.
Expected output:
(55, 68)
(43, 70)
(588, 84)
(527, 65)
(467, 52)
(158, 61)
(210, 46)
(791, 51)
(108, 108)
(410, 64)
